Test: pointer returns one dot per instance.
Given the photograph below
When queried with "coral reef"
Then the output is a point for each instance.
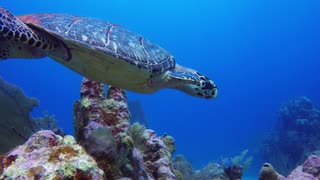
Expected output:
(169, 142)
(137, 114)
(181, 165)
(309, 170)
(233, 172)
(242, 159)
(119, 150)
(102, 127)
(157, 151)
(228, 170)
(295, 136)
(49, 156)
(211, 171)
(16, 125)
(136, 132)
(157, 156)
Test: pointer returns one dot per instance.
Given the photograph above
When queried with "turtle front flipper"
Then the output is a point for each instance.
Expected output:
(17, 40)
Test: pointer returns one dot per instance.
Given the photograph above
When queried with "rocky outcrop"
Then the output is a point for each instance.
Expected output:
(309, 170)
(295, 136)
(181, 165)
(157, 157)
(102, 127)
(49, 156)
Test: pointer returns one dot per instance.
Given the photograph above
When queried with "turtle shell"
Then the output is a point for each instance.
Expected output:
(105, 37)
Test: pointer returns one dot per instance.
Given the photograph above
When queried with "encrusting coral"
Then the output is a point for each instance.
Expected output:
(49, 156)
(102, 127)
(118, 150)
(101, 124)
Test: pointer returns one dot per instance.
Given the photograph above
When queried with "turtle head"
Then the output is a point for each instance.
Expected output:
(192, 82)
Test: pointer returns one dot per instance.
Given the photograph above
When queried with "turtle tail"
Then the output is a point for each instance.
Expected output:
(17, 40)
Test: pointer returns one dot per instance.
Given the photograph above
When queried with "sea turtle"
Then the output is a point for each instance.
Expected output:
(99, 50)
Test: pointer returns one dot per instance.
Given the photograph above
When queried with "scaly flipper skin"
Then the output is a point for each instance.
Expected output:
(17, 40)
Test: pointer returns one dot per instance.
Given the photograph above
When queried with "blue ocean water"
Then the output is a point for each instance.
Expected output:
(259, 53)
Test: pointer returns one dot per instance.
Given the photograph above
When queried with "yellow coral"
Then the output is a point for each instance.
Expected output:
(85, 102)
(69, 140)
(267, 172)
(127, 140)
(178, 174)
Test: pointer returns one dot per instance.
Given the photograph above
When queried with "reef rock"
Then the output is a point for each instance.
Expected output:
(102, 126)
(49, 156)
(294, 137)
(310, 169)
(101, 123)
(183, 166)
(157, 156)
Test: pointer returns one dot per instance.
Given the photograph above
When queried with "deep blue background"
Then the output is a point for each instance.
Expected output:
(259, 53)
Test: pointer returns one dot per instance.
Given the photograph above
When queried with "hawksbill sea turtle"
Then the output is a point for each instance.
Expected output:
(99, 50)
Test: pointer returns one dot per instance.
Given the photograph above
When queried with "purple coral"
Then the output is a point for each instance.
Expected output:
(309, 170)
(312, 166)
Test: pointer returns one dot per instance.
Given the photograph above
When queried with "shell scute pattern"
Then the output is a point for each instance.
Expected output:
(12, 30)
(109, 38)
(10, 33)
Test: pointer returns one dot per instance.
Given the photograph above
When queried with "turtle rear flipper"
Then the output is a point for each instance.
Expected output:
(17, 40)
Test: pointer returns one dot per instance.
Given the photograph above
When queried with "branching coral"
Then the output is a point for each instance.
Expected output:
(242, 159)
